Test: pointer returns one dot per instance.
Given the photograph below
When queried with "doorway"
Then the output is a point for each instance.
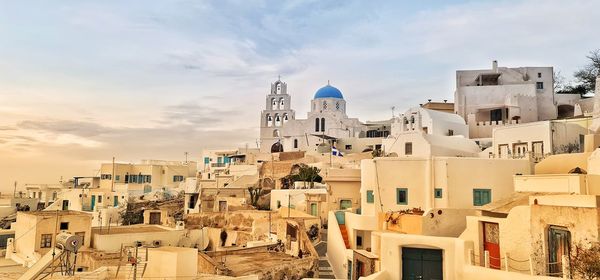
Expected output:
(222, 206)
(65, 205)
(559, 245)
(491, 243)
(422, 264)
(155, 218)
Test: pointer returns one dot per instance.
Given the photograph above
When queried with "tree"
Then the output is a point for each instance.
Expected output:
(303, 173)
(586, 77)
(584, 261)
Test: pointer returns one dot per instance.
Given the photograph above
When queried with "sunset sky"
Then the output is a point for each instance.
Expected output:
(83, 81)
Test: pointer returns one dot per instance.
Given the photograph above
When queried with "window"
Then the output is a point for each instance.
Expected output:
(437, 193)
(64, 225)
(295, 143)
(278, 204)
(358, 241)
(539, 85)
(408, 148)
(345, 204)
(402, 196)
(450, 132)
(99, 199)
(337, 105)
(322, 124)
(206, 160)
(177, 178)
(147, 178)
(539, 75)
(117, 177)
(46, 241)
(481, 197)
(317, 122)
(370, 197)
(105, 176)
(348, 147)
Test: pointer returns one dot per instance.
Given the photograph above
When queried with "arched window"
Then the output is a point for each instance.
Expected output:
(281, 104)
(323, 124)
(277, 120)
(412, 119)
(278, 88)
(269, 120)
(317, 124)
(295, 143)
(273, 104)
(285, 118)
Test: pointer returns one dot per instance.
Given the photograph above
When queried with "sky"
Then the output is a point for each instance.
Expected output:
(83, 81)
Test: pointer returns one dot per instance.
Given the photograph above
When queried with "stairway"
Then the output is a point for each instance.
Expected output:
(344, 232)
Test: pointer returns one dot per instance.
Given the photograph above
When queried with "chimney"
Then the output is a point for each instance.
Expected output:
(495, 66)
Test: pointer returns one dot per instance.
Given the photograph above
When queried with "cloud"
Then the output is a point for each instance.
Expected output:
(76, 128)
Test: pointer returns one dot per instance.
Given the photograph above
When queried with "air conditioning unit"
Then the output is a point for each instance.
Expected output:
(156, 243)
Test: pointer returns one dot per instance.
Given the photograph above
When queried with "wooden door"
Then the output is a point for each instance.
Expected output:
(155, 218)
(422, 264)
(559, 245)
(503, 151)
(491, 243)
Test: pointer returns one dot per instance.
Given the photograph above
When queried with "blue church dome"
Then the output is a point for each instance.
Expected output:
(328, 92)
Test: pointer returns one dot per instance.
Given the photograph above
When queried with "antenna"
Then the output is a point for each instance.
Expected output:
(186, 157)
(393, 113)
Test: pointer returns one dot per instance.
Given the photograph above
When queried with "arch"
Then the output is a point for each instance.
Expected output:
(281, 103)
(277, 148)
(295, 143)
(273, 104)
(276, 133)
(566, 111)
(278, 88)
(277, 120)
(317, 123)
(323, 124)
(269, 120)
(286, 118)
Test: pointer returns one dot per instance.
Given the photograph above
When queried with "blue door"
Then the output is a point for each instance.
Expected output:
(340, 216)
(93, 202)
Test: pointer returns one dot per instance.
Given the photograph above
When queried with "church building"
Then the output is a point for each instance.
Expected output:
(326, 123)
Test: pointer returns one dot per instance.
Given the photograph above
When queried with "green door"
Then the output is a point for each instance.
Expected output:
(314, 209)
(93, 202)
(421, 264)
(116, 201)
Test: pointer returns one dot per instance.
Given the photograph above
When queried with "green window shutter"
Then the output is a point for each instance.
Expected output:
(370, 197)
(438, 193)
(482, 197)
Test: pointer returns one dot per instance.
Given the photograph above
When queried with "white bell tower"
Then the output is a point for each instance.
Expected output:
(276, 114)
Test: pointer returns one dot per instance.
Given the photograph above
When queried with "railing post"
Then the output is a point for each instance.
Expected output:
(565, 267)
(530, 266)
(505, 261)
(486, 258)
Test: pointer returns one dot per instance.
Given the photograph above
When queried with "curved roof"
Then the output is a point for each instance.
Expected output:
(328, 91)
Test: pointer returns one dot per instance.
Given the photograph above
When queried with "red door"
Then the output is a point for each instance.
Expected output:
(491, 243)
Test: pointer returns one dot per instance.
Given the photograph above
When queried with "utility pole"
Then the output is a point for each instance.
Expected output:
(289, 203)
(15, 190)
(186, 157)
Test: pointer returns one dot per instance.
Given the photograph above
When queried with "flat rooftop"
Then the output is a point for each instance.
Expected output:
(128, 229)
(53, 213)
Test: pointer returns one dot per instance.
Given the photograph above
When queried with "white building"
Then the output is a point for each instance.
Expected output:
(327, 121)
(501, 96)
